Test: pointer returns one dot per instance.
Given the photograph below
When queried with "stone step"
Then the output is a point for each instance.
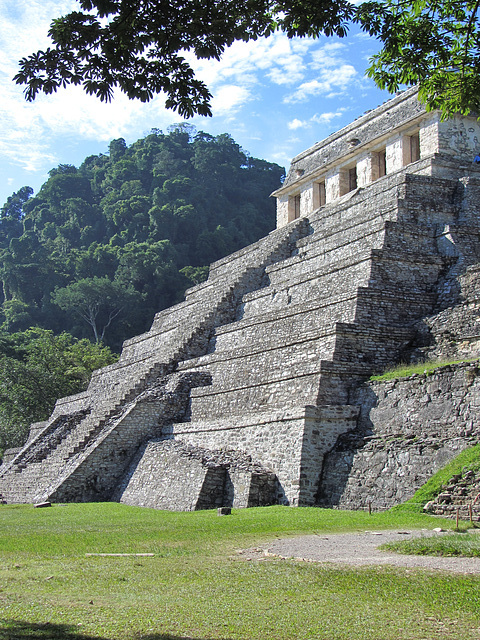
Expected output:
(238, 384)
(328, 244)
(295, 324)
(345, 277)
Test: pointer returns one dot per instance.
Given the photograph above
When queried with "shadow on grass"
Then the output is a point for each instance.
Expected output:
(21, 630)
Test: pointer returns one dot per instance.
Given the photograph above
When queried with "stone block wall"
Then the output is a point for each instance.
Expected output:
(169, 474)
(292, 443)
(407, 430)
(163, 476)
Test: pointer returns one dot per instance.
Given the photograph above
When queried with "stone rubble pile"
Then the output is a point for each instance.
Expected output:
(462, 494)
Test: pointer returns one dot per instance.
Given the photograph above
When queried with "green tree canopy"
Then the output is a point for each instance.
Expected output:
(435, 44)
(139, 46)
(136, 217)
(98, 301)
(36, 368)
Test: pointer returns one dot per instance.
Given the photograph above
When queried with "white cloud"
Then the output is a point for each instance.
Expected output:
(330, 74)
(24, 28)
(30, 130)
(229, 98)
(329, 81)
(318, 118)
(326, 118)
(297, 124)
(327, 56)
(249, 85)
(244, 63)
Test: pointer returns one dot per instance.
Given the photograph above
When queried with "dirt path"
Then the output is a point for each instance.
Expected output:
(361, 549)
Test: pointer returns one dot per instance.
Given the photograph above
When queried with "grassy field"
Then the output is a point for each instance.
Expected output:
(466, 544)
(197, 586)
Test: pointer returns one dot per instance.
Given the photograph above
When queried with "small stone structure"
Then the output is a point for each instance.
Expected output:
(251, 391)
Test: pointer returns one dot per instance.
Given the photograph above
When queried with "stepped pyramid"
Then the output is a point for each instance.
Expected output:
(234, 396)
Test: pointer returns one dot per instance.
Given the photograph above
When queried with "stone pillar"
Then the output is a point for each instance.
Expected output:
(282, 211)
(394, 150)
(365, 170)
(429, 142)
(306, 199)
(332, 186)
(400, 151)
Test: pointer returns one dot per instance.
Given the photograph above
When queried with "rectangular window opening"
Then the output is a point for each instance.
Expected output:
(319, 194)
(352, 178)
(293, 208)
(382, 163)
(414, 148)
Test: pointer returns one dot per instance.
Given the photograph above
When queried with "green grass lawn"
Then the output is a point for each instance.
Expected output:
(461, 543)
(197, 586)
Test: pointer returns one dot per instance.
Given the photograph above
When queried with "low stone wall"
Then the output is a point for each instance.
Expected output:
(164, 476)
(408, 429)
(272, 439)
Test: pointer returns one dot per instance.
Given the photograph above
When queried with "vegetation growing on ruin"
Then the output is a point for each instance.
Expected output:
(404, 370)
(466, 460)
(198, 586)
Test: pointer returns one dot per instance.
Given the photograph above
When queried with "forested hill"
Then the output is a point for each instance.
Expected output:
(103, 247)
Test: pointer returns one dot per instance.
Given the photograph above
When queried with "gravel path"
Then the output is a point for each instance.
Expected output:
(361, 549)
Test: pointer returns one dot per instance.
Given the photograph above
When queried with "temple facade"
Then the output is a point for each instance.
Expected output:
(398, 135)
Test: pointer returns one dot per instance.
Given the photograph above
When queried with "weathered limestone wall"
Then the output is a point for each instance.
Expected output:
(459, 137)
(292, 443)
(274, 441)
(164, 477)
(168, 474)
(407, 430)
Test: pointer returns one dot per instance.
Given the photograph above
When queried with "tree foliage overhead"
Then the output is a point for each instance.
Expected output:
(140, 47)
(100, 249)
(435, 44)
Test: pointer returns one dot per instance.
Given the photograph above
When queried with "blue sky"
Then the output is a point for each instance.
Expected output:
(275, 96)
